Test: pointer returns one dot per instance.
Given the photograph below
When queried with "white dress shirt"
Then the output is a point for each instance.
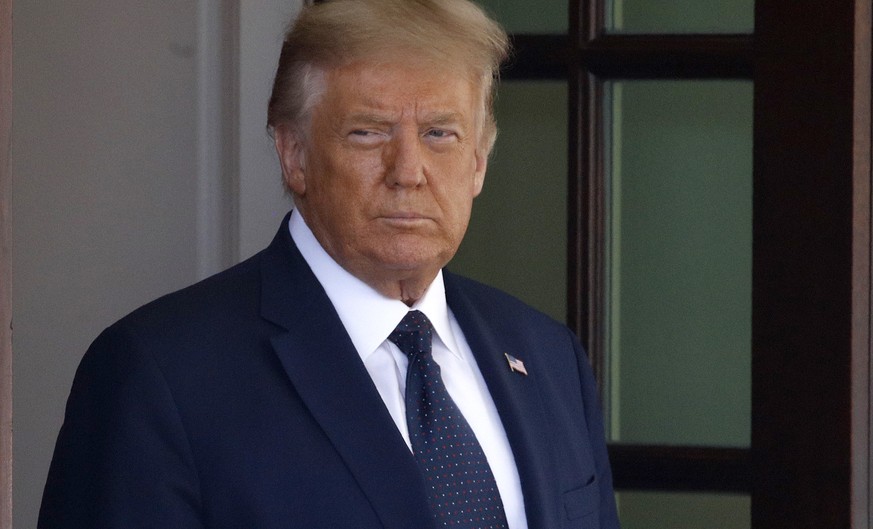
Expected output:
(369, 317)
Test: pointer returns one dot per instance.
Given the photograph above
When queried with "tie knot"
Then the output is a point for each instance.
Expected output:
(413, 334)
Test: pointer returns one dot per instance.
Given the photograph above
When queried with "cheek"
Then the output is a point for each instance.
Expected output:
(457, 207)
(339, 180)
(356, 175)
(465, 186)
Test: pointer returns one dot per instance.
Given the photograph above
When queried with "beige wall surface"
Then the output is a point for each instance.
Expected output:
(262, 201)
(121, 190)
(103, 154)
(5, 266)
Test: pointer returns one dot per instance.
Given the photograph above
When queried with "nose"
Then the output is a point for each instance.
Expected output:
(405, 161)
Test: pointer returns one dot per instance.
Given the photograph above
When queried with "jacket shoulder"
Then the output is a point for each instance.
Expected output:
(204, 312)
(215, 292)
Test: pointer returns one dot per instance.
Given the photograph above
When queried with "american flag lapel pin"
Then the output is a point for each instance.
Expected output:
(515, 364)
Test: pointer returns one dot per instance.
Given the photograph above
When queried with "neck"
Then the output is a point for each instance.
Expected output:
(409, 290)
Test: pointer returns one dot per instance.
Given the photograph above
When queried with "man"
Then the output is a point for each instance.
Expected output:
(340, 378)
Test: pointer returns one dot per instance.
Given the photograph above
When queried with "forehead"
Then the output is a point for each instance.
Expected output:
(400, 86)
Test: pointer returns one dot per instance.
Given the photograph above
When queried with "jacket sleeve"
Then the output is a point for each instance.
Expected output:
(122, 458)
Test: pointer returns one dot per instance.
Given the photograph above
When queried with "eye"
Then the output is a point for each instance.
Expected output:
(440, 134)
(365, 137)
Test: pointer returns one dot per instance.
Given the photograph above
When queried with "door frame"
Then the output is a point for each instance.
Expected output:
(862, 222)
(811, 265)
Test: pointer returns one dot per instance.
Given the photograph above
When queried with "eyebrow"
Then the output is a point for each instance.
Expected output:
(443, 118)
(437, 118)
(368, 118)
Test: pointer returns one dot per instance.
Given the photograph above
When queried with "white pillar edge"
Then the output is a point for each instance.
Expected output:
(217, 191)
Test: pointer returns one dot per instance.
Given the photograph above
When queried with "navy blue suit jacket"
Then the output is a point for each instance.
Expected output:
(240, 402)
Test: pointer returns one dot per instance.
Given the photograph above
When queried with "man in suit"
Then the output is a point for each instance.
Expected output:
(341, 378)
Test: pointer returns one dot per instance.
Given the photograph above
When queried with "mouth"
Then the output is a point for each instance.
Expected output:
(403, 215)
(405, 219)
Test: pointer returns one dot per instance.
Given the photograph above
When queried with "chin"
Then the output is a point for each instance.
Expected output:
(414, 260)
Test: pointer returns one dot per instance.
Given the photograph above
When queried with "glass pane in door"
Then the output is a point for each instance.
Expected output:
(522, 16)
(517, 239)
(679, 256)
(657, 510)
(680, 16)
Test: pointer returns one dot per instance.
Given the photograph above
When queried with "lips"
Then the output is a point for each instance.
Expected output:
(403, 215)
(406, 220)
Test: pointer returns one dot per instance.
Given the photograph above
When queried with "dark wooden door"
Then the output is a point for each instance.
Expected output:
(808, 464)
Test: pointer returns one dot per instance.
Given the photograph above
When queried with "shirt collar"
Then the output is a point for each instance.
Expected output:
(367, 315)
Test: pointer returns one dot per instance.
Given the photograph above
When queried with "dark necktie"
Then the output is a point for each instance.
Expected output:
(463, 493)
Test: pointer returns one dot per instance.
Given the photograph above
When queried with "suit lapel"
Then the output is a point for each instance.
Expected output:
(518, 402)
(319, 358)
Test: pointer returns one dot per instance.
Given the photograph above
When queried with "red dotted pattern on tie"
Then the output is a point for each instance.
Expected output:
(463, 493)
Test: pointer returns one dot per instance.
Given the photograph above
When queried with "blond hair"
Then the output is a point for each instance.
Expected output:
(330, 34)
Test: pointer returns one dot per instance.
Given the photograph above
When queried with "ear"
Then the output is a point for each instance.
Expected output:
(479, 174)
(290, 149)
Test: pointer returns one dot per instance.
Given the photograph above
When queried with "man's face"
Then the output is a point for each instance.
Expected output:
(387, 175)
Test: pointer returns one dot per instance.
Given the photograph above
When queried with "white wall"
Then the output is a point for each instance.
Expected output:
(113, 177)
